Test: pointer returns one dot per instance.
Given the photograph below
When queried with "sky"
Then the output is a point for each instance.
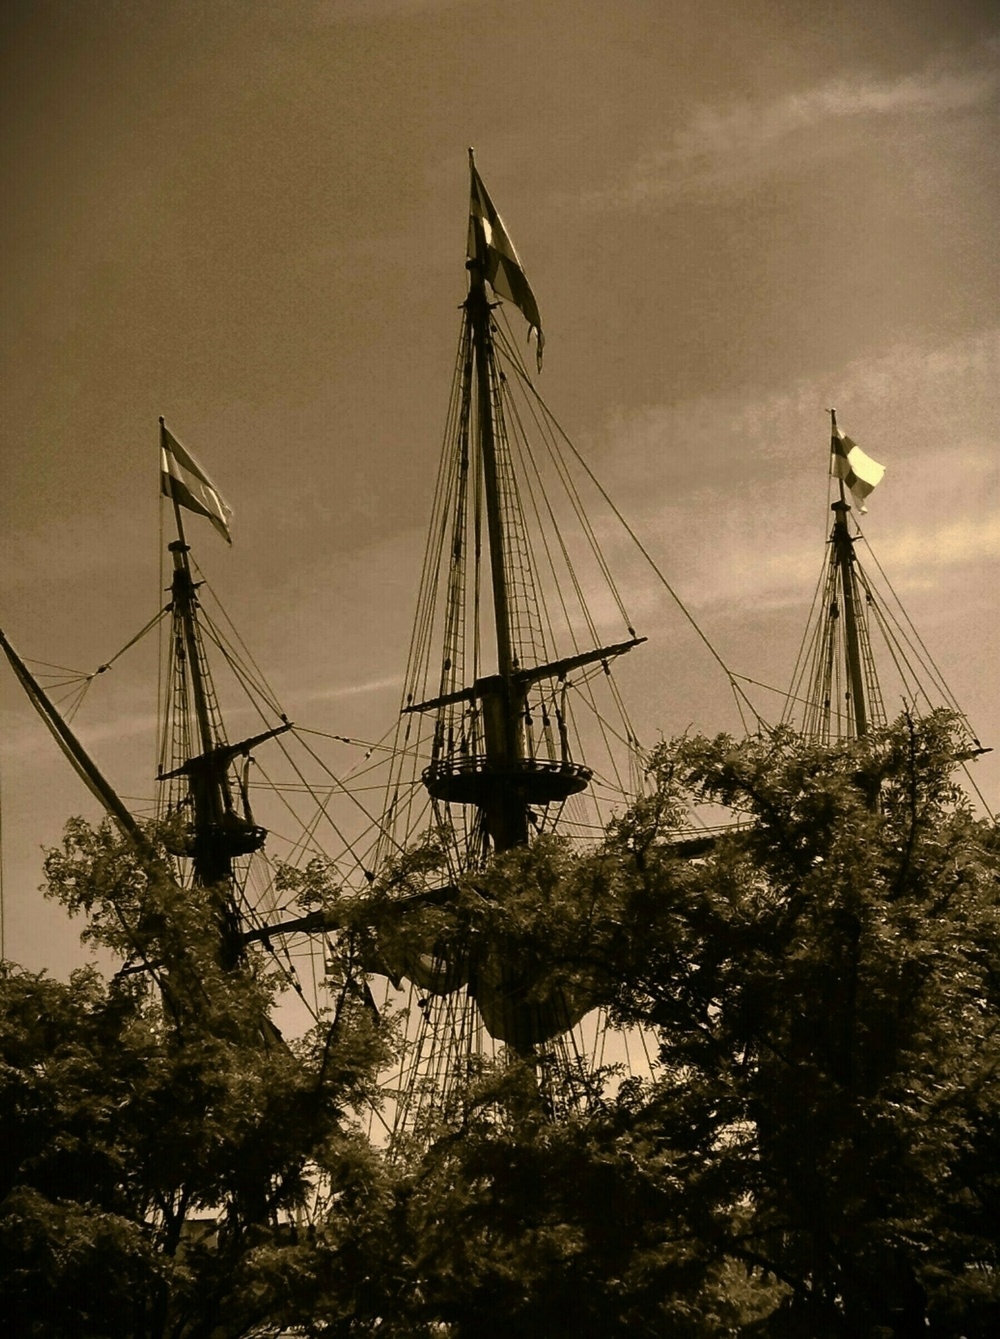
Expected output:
(250, 218)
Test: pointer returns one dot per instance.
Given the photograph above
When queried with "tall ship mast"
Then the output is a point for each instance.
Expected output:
(511, 724)
(859, 640)
(205, 800)
(501, 742)
(213, 841)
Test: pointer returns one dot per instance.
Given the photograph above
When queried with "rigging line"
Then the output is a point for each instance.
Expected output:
(75, 702)
(373, 822)
(528, 455)
(941, 683)
(783, 692)
(456, 420)
(374, 766)
(583, 520)
(544, 422)
(890, 626)
(562, 473)
(338, 782)
(739, 708)
(50, 683)
(645, 553)
(602, 726)
(296, 788)
(240, 671)
(160, 613)
(627, 740)
(813, 613)
(379, 746)
(904, 668)
(322, 806)
(978, 792)
(63, 669)
(265, 687)
(305, 838)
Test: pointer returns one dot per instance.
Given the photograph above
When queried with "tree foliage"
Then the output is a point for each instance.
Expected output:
(814, 1154)
(164, 1148)
(824, 989)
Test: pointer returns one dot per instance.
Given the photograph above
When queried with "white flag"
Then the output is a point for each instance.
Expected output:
(490, 245)
(848, 462)
(183, 480)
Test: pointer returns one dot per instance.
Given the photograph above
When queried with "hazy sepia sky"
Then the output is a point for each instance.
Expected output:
(249, 216)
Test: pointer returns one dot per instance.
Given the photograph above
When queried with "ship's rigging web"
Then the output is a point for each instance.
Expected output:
(819, 701)
(546, 580)
(553, 568)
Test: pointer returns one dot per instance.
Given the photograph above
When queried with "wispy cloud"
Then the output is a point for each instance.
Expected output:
(728, 145)
(944, 544)
(356, 689)
(729, 494)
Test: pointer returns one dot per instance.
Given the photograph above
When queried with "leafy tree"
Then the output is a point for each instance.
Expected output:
(817, 1153)
(517, 1223)
(164, 1150)
(825, 990)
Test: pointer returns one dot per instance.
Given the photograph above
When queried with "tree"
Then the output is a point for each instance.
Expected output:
(164, 1149)
(514, 1223)
(825, 990)
(817, 1154)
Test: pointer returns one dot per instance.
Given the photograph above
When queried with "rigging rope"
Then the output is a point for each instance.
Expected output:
(737, 691)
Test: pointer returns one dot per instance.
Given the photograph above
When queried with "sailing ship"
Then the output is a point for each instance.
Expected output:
(491, 745)
(512, 725)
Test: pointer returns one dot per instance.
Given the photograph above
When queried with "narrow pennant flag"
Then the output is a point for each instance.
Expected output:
(848, 462)
(184, 481)
(490, 245)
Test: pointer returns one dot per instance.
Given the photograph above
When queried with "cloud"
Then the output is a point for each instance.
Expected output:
(729, 493)
(945, 544)
(729, 145)
(356, 689)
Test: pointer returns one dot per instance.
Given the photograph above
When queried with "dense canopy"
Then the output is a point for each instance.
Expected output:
(815, 1152)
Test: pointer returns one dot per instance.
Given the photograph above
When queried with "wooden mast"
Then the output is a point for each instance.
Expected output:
(507, 810)
(501, 777)
(217, 833)
(843, 546)
(500, 743)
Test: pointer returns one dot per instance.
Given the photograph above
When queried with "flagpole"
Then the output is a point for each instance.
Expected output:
(506, 813)
(843, 547)
(479, 316)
